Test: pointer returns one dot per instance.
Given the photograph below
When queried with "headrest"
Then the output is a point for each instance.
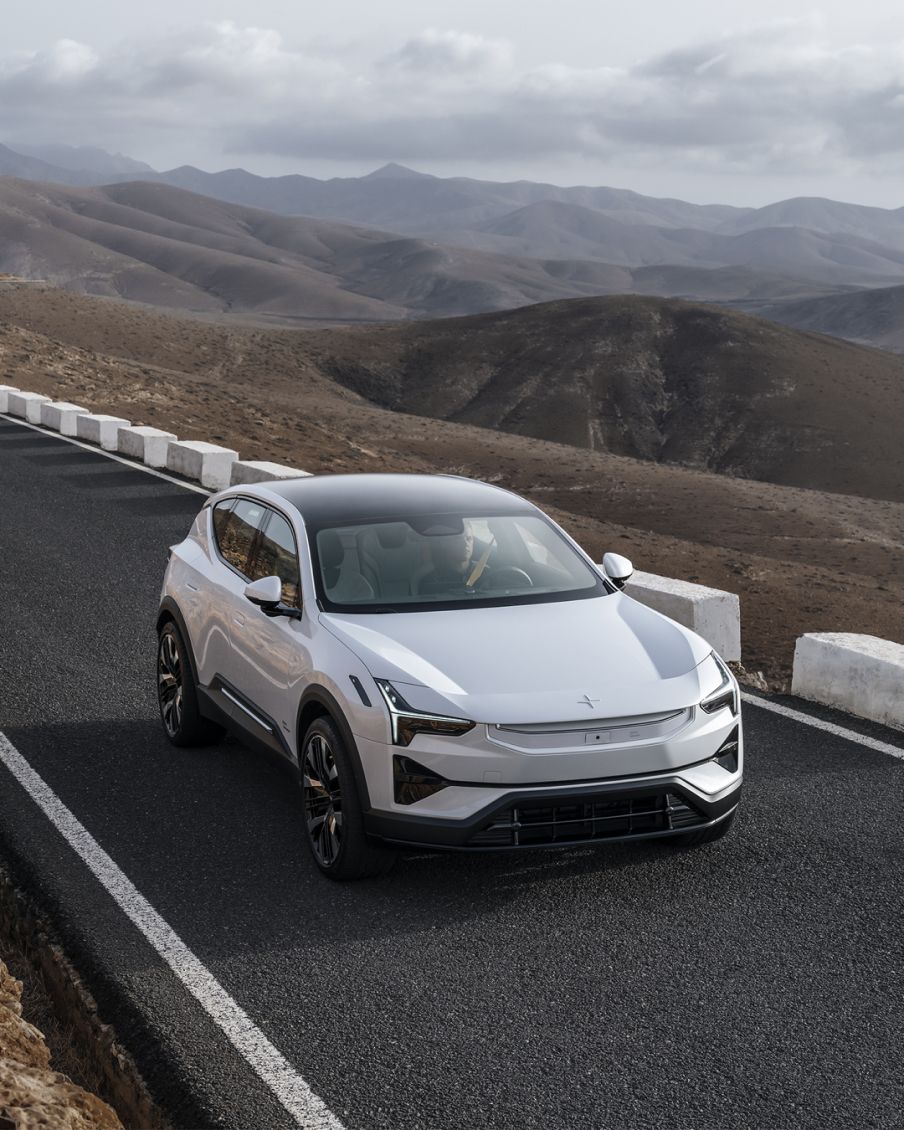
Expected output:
(330, 548)
(392, 535)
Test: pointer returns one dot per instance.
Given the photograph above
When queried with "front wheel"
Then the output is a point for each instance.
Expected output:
(333, 820)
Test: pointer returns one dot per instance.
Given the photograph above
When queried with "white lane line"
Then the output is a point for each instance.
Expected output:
(287, 1085)
(829, 727)
(109, 454)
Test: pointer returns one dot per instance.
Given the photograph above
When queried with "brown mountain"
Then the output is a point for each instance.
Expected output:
(652, 378)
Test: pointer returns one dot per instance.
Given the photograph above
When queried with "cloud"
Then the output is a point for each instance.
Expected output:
(435, 51)
(774, 98)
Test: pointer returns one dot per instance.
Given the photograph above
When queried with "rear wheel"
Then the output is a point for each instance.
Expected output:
(705, 835)
(177, 695)
(334, 823)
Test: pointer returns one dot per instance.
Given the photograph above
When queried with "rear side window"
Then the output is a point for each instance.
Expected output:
(276, 555)
(234, 528)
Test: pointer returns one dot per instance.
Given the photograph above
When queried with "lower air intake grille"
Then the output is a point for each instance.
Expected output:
(587, 818)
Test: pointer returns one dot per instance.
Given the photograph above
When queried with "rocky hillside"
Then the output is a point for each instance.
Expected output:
(31, 1094)
(651, 378)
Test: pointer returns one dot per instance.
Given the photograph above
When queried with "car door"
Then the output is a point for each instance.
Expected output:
(271, 653)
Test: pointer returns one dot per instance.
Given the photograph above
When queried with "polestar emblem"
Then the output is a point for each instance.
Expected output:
(587, 700)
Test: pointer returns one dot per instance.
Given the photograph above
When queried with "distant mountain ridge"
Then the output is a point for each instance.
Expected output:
(558, 241)
(164, 246)
(868, 317)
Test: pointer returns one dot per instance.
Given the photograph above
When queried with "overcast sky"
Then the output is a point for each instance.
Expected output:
(695, 99)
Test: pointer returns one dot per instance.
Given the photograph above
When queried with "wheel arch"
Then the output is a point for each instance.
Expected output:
(169, 613)
(318, 702)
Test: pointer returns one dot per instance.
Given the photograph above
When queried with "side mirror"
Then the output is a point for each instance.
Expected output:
(618, 569)
(266, 593)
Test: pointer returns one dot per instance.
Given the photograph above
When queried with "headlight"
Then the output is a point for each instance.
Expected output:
(406, 722)
(725, 694)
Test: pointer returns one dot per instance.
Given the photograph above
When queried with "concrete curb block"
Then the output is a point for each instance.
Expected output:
(863, 675)
(62, 416)
(209, 464)
(261, 471)
(711, 613)
(150, 445)
(26, 405)
(5, 390)
(100, 429)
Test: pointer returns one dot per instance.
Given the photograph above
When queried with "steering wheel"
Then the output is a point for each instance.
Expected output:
(508, 577)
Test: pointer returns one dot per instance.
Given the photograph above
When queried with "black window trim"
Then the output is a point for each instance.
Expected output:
(269, 509)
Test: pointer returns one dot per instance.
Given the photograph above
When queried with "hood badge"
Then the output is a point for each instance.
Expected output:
(587, 700)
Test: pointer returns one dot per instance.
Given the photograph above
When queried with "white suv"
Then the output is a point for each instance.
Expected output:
(445, 667)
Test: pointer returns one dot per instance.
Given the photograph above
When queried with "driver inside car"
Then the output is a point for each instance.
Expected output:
(454, 559)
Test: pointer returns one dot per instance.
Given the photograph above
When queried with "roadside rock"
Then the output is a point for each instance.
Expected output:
(31, 1095)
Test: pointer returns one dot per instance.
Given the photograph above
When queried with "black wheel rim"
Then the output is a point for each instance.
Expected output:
(169, 684)
(322, 800)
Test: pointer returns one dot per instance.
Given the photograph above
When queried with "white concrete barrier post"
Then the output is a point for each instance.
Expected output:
(150, 445)
(100, 429)
(863, 675)
(5, 390)
(62, 416)
(261, 471)
(206, 462)
(711, 613)
(26, 405)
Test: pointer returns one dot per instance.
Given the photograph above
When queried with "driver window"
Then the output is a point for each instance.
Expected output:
(275, 554)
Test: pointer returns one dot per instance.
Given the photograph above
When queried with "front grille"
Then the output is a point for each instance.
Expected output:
(587, 818)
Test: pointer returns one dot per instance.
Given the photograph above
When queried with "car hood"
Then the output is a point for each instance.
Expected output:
(533, 663)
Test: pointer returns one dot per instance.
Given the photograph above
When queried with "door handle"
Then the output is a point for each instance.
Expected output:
(240, 620)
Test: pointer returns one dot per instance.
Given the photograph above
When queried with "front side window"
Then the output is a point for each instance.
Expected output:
(448, 560)
(235, 529)
(275, 555)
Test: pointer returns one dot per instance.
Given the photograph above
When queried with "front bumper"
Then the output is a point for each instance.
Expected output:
(651, 807)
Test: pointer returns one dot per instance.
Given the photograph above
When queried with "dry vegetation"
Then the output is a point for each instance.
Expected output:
(801, 560)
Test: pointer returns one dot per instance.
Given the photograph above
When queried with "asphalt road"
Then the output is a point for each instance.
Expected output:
(756, 982)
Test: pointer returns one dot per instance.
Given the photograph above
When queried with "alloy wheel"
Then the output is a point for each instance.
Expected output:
(322, 800)
(169, 683)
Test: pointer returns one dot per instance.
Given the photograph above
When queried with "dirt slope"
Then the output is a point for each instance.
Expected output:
(801, 560)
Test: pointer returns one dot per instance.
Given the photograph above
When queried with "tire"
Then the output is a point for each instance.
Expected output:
(705, 835)
(177, 696)
(331, 808)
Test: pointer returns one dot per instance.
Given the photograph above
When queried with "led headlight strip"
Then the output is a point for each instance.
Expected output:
(725, 694)
(407, 722)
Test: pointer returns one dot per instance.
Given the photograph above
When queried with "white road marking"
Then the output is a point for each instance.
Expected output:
(829, 727)
(98, 450)
(287, 1085)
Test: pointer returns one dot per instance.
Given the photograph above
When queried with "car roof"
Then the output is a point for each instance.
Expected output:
(325, 499)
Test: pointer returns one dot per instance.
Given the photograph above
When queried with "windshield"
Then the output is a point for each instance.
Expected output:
(446, 561)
